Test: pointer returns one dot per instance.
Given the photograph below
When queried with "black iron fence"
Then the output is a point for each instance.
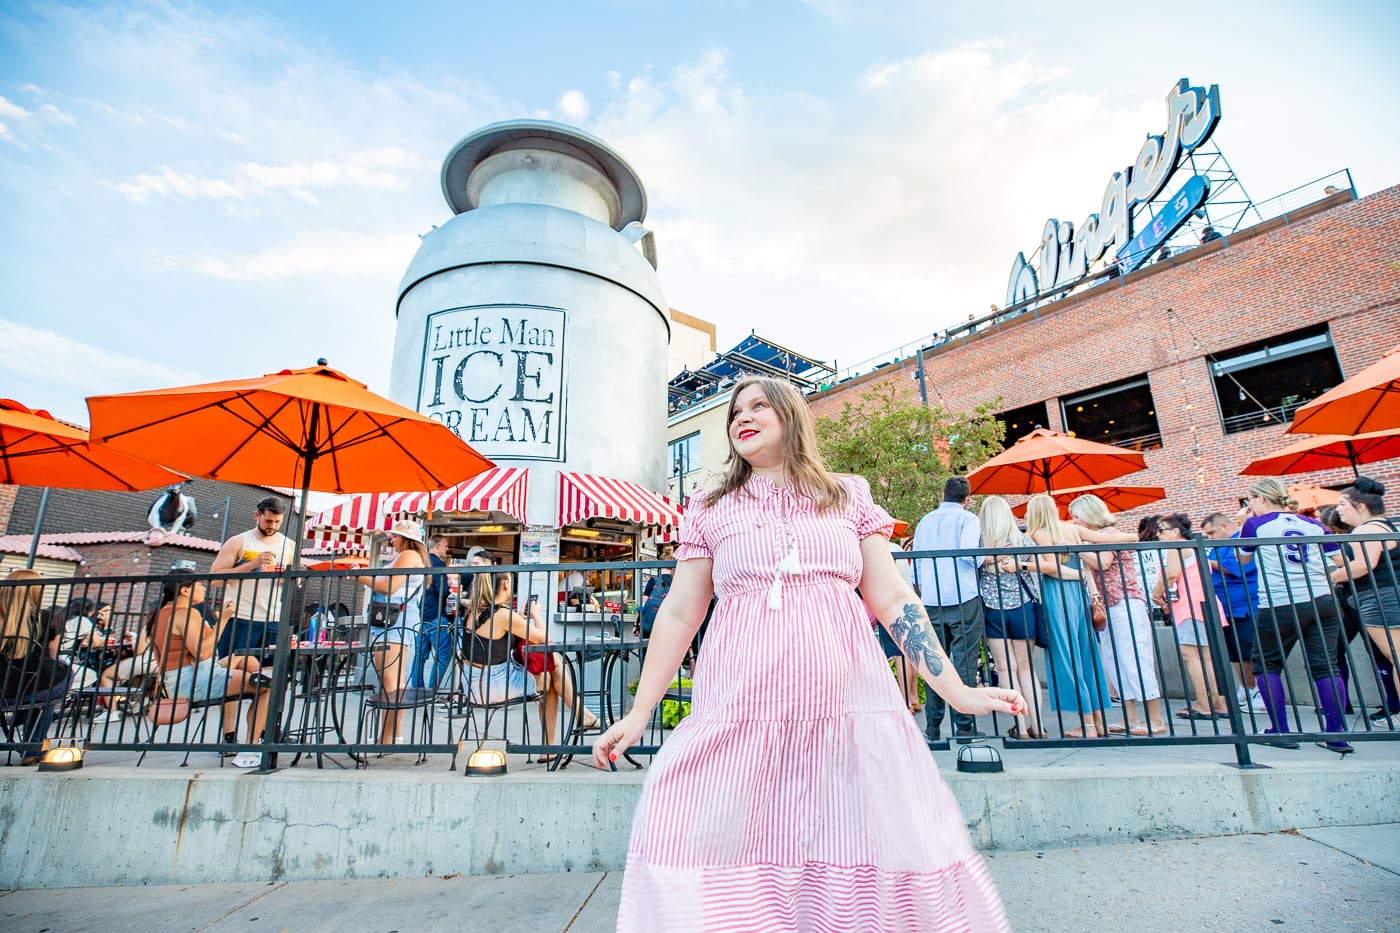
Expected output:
(346, 665)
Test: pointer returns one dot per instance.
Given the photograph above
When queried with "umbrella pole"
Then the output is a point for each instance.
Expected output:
(1351, 455)
(282, 657)
(38, 525)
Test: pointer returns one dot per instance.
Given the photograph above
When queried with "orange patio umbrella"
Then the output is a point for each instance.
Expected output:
(36, 449)
(1313, 497)
(1326, 452)
(340, 562)
(1117, 498)
(306, 429)
(1045, 460)
(1368, 401)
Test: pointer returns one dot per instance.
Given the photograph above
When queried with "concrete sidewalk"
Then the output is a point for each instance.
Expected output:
(1339, 878)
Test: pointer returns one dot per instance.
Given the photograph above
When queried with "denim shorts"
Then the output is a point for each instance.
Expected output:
(499, 682)
(202, 680)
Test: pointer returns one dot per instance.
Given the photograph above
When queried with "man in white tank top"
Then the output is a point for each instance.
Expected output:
(258, 554)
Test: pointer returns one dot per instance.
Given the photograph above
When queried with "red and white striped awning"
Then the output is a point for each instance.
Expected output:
(340, 541)
(583, 496)
(360, 514)
(502, 489)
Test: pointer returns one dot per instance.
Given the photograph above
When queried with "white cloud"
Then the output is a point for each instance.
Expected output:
(368, 169)
(51, 112)
(9, 110)
(59, 372)
(364, 170)
(315, 253)
(573, 105)
(898, 205)
(170, 183)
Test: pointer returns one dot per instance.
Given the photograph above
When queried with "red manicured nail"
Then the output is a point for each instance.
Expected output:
(612, 756)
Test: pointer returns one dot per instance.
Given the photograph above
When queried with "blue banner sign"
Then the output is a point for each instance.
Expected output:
(1168, 220)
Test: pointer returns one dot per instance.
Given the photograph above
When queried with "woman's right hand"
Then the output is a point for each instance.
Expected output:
(621, 735)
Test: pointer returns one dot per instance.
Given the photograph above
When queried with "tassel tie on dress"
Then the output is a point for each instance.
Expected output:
(788, 562)
(789, 565)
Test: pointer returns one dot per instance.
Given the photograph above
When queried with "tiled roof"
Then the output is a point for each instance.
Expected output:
(19, 544)
(115, 537)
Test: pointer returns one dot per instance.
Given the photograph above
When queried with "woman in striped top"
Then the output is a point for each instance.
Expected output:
(798, 794)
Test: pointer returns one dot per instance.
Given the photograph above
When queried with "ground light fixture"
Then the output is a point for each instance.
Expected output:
(979, 759)
(486, 762)
(61, 758)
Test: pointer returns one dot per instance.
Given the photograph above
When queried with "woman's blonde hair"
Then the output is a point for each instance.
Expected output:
(1042, 513)
(19, 610)
(481, 594)
(1091, 510)
(998, 524)
(802, 461)
(1273, 491)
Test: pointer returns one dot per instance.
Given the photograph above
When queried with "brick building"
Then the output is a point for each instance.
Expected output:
(1198, 360)
(74, 511)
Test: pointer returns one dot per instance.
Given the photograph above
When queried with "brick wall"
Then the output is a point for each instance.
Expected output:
(7, 505)
(74, 510)
(1336, 265)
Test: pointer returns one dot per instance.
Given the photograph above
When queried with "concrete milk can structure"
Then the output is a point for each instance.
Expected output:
(533, 324)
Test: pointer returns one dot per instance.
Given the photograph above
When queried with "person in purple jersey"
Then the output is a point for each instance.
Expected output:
(1295, 603)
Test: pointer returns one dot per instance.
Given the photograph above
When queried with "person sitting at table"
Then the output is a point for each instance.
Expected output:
(403, 617)
(124, 671)
(578, 595)
(184, 645)
(491, 675)
(29, 675)
(84, 638)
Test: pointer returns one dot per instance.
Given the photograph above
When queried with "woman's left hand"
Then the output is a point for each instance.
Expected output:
(979, 701)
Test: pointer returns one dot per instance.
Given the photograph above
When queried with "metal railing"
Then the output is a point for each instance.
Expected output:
(332, 682)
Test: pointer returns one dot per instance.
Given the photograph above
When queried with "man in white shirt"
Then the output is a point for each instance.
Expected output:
(257, 553)
(948, 587)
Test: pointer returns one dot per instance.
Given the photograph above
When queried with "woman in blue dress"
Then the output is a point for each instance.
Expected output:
(1075, 677)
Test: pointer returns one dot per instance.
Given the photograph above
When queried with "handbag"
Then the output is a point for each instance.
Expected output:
(534, 662)
(1098, 615)
(1042, 627)
(383, 615)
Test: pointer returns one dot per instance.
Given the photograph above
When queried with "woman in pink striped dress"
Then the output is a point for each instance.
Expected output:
(798, 795)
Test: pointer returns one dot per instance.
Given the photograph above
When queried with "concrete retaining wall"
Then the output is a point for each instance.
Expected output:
(121, 826)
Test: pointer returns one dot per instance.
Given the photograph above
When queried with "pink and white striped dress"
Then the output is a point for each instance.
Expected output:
(798, 794)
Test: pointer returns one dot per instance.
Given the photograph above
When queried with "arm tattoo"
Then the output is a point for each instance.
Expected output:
(917, 642)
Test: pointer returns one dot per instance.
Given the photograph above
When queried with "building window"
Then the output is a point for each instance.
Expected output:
(1122, 414)
(1021, 421)
(683, 458)
(683, 455)
(1264, 383)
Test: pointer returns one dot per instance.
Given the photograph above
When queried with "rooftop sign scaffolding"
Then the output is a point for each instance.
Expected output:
(752, 356)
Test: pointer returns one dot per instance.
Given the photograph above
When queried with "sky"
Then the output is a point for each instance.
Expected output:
(199, 192)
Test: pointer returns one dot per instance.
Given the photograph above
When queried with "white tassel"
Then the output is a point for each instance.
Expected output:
(791, 563)
(775, 593)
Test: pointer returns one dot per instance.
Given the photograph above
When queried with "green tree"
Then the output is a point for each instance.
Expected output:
(905, 450)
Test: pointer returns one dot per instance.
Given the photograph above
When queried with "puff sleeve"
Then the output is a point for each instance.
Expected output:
(870, 519)
(693, 542)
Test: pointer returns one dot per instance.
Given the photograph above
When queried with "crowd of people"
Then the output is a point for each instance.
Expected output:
(1091, 606)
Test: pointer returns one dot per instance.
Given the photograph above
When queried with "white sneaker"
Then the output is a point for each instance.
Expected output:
(107, 716)
(1241, 697)
(1256, 701)
(246, 760)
